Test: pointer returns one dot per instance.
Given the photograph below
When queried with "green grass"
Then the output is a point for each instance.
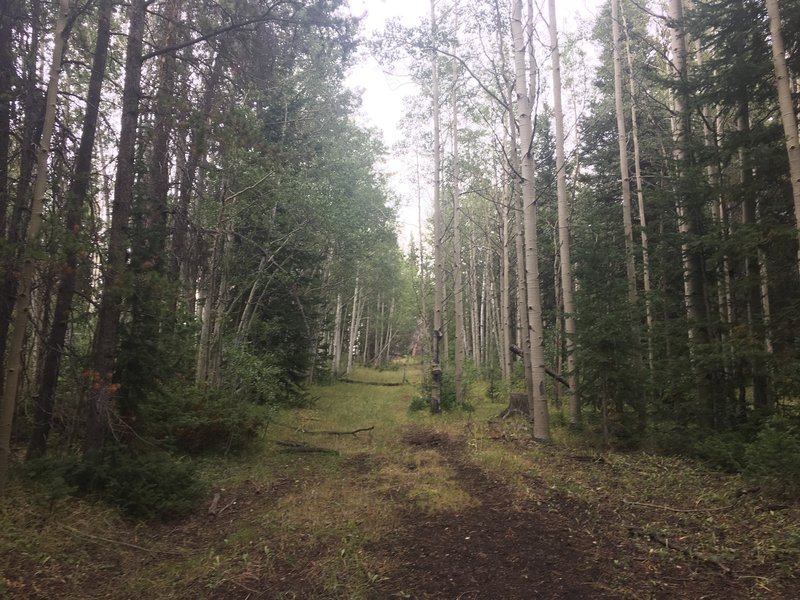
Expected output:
(312, 519)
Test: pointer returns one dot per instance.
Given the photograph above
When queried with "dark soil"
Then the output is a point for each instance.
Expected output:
(514, 548)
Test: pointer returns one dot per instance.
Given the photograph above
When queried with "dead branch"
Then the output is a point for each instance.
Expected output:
(118, 542)
(353, 433)
(381, 383)
(680, 510)
(670, 544)
(518, 351)
(212, 510)
(305, 448)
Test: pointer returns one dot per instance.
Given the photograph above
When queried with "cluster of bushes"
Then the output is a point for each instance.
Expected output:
(448, 394)
(769, 456)
(148, 471)
(151, 484)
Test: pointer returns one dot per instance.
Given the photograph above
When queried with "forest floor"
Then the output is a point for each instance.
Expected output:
(456, 506)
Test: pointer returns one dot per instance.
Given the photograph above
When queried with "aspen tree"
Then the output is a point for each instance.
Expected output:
(693, 275)
(23, 301)
(438, 227)
(788, 116)
(637, 169)
(76, 200)
(622, 137)
(535, 342)
(567, 283)
(458, 277)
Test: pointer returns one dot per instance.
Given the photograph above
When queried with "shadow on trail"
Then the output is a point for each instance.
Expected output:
(502, 548)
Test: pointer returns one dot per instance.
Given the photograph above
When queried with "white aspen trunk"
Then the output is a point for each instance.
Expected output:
(535, 348)
(252, 297)
(505, 208)
(630, 266)
(788, 116)
(423, 303)
(693, 273)
(353, 329)
(22, 308)
(438, 229)
(637, 167)
(208, 297)
(214, 376)
(389, 331)
(567, 283)
(458, 277)
(505, 288)
(521, 323)
(337, 337)
(474, 303)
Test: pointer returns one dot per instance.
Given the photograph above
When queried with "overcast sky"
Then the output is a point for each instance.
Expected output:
(384, 94)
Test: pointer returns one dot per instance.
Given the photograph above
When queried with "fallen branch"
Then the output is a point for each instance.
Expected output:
(518, 351)
(353, 433)
(118, 542)
(382, 383)
(213, 510)
(669, 544)
(305, 448)
(680, 510)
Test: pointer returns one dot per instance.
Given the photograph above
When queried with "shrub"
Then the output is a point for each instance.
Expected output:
(198, 421)
(773, 458)
(147, 485)
(724, 451)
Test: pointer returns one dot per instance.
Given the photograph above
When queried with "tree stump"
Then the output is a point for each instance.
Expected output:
(517, 405)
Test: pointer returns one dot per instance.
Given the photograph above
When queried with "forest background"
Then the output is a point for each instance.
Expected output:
(195, 229)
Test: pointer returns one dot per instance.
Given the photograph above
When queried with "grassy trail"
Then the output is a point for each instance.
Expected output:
(455, 506)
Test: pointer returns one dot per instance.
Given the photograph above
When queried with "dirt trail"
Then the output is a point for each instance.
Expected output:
(511, 548)
(499, 549)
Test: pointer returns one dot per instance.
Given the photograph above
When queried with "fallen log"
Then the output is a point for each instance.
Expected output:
(353, 433)
(381, 383)
(304, 448)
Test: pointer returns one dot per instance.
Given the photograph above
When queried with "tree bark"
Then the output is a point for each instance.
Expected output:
(458, 276)
(74, 257)
(630, 266)
(23, 300)
(106, 338)
(637, 166)
(788, 116)
(693, 270)
(535, 348)
(438, 227)
(567, 283)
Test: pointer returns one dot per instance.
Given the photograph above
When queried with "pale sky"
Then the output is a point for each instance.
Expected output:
(384, 94)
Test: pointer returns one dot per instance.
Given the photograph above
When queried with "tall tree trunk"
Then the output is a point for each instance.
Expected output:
(535, 348)
(637, 166)
(505, 283)
(693, 269)
(337, 337)
(183, 267)
(76, 199)
(354, 323)
(458, 277)
(567, 283)
(752, 268)
(630, 266)
(34, 107)
(523, 330)
(23, 300)
(6, 98)
(438, 228)
(104, 350)
(788, 115)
